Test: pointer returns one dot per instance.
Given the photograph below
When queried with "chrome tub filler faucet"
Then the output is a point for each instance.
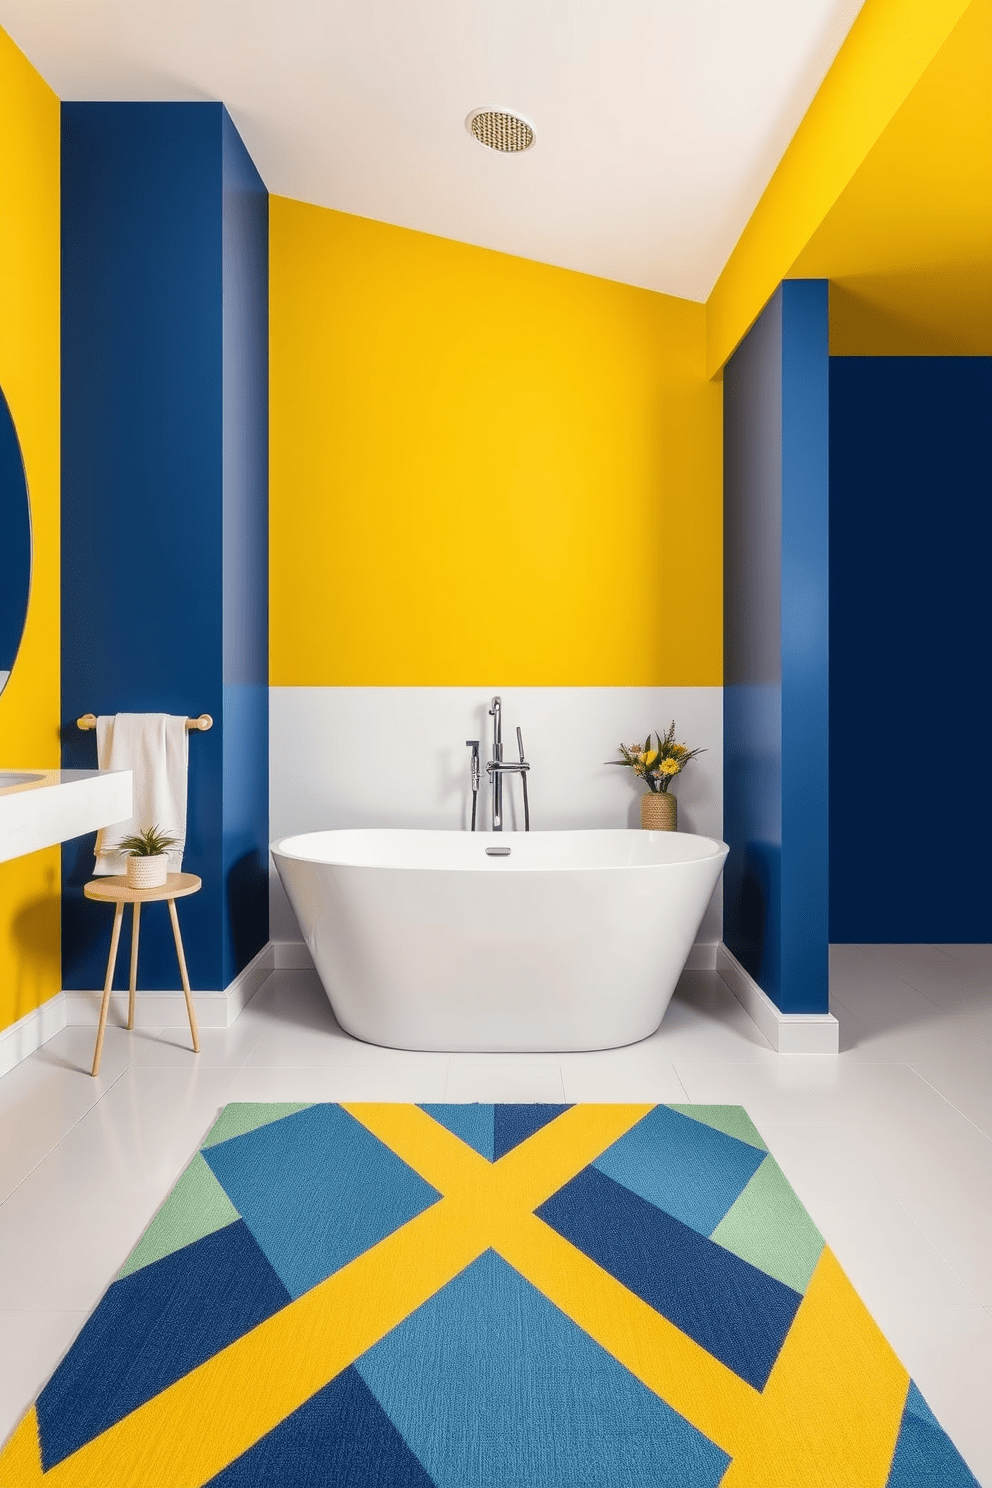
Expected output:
(496, 768)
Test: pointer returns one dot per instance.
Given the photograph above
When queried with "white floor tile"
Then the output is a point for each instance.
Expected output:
(965, 1081)
(887, 1100)
(900, 958)
(505, 1077)
(69, 1266)
(44, 1097)
(633, 1074)
(137, 1139)
(227, 1048)
(894, 1023)
(72, 1050)
(419, 1078)
(962, 990)
(31, 1346)
(852, 972)
(978, 956)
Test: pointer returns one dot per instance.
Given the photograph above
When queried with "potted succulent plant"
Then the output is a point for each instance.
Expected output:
(147, 858)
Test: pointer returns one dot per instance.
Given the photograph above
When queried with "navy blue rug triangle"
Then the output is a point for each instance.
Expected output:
(514, 1124)
(341, 1438)
(734, 1311)
(150, 1329)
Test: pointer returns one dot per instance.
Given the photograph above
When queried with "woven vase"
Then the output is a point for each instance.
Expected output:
(659, 812)
(147, 873)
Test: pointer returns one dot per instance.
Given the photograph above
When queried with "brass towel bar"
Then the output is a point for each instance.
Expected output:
(204, 722)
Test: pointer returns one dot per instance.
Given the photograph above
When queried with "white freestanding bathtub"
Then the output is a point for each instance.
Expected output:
(567, 940)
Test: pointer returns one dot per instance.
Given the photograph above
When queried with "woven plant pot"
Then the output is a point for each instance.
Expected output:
(147, 873)
(659, 812)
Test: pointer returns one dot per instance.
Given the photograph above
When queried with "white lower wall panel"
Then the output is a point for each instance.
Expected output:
(30, 1032)
(396, 757)
(168, 1009)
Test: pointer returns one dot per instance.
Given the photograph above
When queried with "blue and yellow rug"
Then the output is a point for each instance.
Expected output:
(473, 1296)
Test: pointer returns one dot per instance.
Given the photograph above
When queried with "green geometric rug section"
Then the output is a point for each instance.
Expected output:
(196, 1207)
(769, 1227)
(733, 1121)
(246, 1116)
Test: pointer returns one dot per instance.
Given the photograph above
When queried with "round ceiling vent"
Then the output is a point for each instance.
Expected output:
(499, 130)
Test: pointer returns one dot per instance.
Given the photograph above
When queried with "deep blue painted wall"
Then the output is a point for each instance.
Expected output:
(776, 412)
(910, 694)
(15, 540)
(245, 852)
(164, 351)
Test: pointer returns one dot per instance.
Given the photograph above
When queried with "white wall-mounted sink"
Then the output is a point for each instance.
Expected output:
(41, 807)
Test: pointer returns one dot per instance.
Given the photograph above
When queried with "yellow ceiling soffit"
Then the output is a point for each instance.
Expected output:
(888, 49)
(908, 245)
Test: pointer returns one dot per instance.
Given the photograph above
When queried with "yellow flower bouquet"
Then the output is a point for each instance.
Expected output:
(657, 767)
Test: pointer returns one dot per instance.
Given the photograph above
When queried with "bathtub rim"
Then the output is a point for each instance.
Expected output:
(283, 849)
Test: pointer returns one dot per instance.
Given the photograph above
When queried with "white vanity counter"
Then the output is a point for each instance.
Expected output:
(39, 808)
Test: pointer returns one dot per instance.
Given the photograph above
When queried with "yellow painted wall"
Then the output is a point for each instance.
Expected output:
(908, 245)
(29, 375)
(484, 469)
(888, 51)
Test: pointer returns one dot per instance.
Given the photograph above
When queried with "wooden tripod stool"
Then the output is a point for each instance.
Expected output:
(116, 890)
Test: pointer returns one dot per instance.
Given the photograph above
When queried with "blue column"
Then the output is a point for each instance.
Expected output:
(164, 497)
(776, 682)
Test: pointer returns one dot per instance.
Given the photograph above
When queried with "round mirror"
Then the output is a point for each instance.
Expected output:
(15, 543)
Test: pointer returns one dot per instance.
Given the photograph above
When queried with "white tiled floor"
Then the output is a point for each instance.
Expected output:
(889, 1146)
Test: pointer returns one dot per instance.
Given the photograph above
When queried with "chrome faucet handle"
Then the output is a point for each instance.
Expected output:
(520, 744)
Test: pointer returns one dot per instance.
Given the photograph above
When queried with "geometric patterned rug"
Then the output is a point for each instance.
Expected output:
(478, 1296)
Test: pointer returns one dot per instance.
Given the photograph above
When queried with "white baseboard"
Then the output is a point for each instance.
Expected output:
(789, 1033)
(29, 1033)
(702, 957)
(292, 955)
(168, 1009)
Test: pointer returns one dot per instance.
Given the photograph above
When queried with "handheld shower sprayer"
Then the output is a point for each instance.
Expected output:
(473, 744)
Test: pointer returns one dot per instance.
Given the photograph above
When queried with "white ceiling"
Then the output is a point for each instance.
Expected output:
(658, 122)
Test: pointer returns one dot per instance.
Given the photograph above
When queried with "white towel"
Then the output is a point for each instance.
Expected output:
(155, 746)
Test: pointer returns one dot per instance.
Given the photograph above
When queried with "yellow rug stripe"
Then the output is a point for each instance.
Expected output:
(831, 1410)
(20, 1460)
(702, 1389)
(518, 1182)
